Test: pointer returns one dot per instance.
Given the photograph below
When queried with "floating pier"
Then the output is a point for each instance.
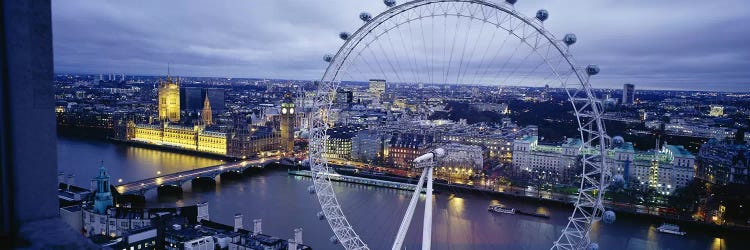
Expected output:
(358, 180)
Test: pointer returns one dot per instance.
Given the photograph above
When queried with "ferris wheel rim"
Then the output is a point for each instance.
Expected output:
(577, 237)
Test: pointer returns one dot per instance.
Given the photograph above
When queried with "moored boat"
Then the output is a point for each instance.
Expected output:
(501, 209)
(670, 229)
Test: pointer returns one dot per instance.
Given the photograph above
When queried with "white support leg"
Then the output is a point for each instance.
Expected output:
(427, 226)
(409, 213)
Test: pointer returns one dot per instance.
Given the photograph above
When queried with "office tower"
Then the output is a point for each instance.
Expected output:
(377, 88)
(628, 94)
(191, 98)
(216, 97)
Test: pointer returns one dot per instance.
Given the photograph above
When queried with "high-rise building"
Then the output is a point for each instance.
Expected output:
(344, 96)
(377, 88)
(287, 124)
(206, 114)
(628, 94)
(191, 98)
(217, 98)
(169, 100)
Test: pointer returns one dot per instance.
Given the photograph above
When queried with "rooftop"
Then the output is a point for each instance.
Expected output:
(530, 139)
(679, 151)
(626, 146)
(572, 142)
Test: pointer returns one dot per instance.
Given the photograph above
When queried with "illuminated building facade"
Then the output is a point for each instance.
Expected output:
(240, 143)
(169, 100)
(287, 124)
(376, 88)
(339, 142)
(664, 169)
(716, 111)
(461, 161)
(404, 148)
(554, 163)
(194, 138)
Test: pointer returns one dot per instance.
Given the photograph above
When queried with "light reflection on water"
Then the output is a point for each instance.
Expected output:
(460, 220)
(129, 163)
(718, 244)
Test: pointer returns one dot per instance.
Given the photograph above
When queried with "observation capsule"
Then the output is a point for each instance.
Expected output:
(327, 58)
(511, 2)
(321, 215)
(334, 240)
(593, 246)
(389, 3)
(617, 141)
(344, 36)
(542, 15)
(365, 16)
(570, 39)
(592, 69)
(617, 181)
(609, 217)
(311, 189)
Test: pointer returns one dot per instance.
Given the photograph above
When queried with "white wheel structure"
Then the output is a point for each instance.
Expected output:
(501, 18)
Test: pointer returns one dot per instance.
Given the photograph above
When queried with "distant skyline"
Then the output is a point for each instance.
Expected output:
(681, 45)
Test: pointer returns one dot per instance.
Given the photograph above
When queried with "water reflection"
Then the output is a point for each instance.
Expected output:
(718, 244)
(83, 157)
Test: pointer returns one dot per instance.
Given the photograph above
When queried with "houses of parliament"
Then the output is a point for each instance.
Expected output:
(201, 135)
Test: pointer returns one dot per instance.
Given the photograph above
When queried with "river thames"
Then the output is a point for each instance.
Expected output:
(460, 219)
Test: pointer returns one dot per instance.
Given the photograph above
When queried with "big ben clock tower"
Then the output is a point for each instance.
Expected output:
(287, 124)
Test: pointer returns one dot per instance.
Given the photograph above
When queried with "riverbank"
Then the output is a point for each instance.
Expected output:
(630, 211)
(173, 149)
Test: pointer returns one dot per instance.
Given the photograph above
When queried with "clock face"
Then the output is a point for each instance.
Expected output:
(291, 111)
(283, 110)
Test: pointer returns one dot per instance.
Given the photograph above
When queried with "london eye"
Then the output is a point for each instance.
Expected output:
(471, 42)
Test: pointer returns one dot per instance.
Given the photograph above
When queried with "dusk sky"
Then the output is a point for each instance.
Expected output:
(667, 44)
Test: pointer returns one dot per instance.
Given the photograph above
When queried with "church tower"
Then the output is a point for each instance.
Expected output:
(103, 195)
(169, 100)
(287, 124)
(206, 114)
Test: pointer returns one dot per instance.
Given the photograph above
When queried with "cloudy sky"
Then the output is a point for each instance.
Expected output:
(666, 44)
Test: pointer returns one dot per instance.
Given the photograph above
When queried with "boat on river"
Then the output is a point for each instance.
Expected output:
(670, 229)
(501, 209)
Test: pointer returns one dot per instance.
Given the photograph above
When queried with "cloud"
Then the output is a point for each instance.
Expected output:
(654, 44)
